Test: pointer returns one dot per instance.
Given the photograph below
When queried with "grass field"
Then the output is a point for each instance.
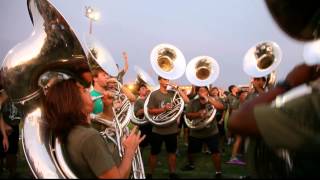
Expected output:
(204, 167)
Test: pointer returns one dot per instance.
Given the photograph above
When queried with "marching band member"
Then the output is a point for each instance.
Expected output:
(67, 106)
(290, 129)
(146, 129)
(209, 135)
(160, 101)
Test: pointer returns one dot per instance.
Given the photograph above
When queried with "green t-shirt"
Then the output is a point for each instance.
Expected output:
(158, 100)
(90, 154)
(98, 103)
(233, 102)
(210, 130)
(139, 104)
(292, 130)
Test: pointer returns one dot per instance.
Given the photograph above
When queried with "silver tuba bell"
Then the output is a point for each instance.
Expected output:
(168, 62)
(145, 79)
(100, 57)
(262, 60)
(202, 71)
(51, 51)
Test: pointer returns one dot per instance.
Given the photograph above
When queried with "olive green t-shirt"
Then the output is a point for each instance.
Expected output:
(233, 102)
(158, 100)
(293, 128)
(90, 154)
(210, 130)
(139, 104)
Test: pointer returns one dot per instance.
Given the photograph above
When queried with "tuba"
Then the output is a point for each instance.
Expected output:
(51, 51)
(262, 60)
(100, 57)
(168, 62)
(142, 78)
(202, 71)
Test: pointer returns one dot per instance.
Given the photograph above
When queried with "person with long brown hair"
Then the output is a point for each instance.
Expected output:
(67, 106)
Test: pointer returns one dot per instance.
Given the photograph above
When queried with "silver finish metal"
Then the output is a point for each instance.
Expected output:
(211, 70)
(99, 57)
(168, 62)
(142, 78)
(52, 47)
(262, 60)
(202, 70)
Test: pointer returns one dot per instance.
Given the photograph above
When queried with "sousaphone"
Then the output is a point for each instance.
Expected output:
(261, 60)
(142, 78)
(202, 71)
(51, 51)
(100, 57)
(168, 62)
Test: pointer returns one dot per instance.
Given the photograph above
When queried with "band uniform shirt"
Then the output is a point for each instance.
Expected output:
(233, 102)
(139, 104)
(158, 100)
(294, 130)
(98, 103)
(11, 114)
(210, 130)
(91, 155)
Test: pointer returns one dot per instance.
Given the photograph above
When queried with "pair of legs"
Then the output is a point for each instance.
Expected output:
(171, 147)
(235, 149)
(212, 142)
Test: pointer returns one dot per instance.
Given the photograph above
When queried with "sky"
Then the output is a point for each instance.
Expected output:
(224, 30)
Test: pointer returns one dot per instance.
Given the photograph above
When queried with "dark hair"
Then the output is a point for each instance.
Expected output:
(258, 78)
(159, 78)
(231, 87)
(298, 19)
(142, 85)
(202, 87)
(62, 107)
(214, 88)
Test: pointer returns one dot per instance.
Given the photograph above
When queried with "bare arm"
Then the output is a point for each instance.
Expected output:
(156, 111)
(184, 96)
(130, 145)
(126, 64)
(193, 115)
(217, 104)
(5, 141)
(243, 120)
(140, 112)
(129, 94)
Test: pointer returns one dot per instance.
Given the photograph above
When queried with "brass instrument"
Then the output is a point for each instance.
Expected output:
(142, 78)
(262, 60)
(168, 62)
(202, 71)
(99, 57)
(49, 52)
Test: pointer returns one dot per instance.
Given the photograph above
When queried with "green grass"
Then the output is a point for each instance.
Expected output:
(204, 166)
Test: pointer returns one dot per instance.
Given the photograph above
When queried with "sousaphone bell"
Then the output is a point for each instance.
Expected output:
(261, 60)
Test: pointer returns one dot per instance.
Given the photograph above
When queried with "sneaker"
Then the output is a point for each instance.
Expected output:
(173, 176)
(236, 161)
(188, 167)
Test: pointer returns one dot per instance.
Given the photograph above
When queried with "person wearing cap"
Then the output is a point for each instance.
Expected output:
(287, 130)
(209, 135)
